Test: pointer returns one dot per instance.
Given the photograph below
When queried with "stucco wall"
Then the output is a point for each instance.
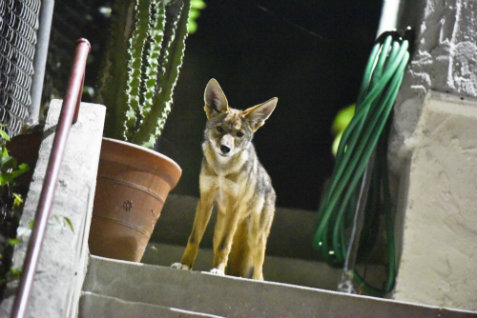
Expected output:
(444, 60)
(436, 219)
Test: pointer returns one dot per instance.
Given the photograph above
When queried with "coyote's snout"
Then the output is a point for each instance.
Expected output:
(233, 178)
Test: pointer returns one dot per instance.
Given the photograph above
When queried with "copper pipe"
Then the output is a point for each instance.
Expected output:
(66, 119)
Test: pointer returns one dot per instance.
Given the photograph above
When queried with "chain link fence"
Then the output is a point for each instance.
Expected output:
(18, 26)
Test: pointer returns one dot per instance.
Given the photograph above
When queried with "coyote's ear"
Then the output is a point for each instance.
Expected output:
(215, 100)
(257, 115)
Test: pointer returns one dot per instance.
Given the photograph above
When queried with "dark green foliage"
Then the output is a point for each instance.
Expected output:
(195, 7)
(9, 168)
(10, 207)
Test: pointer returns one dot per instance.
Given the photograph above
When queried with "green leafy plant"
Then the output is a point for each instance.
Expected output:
(64, 221)
(10, 170)
(9, 167)
(142, 64)
(15, 273)
(10, 206)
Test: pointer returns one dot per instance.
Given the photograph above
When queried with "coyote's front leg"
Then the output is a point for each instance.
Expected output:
(225, 228)
(201, 219)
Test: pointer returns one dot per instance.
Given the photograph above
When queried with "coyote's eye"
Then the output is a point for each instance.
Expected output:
(239, 134)
(220, 129)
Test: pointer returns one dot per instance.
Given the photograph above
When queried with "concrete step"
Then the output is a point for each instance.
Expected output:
(93, 305)
(199, 292)
(277, 269)
(290, 258)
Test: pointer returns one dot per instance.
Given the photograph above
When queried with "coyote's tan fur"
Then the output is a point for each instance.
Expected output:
(232, 177)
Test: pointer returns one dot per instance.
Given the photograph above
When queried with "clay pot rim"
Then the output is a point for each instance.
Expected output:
(132, 159)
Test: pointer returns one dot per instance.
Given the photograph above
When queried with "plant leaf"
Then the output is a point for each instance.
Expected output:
(7, 162)
(17, 200)
(15, 272)
(22, 168)
(13, 241)
(4, 135)
(70, 224)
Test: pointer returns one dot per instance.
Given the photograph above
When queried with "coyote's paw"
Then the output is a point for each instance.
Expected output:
(180, 266)
(217, 271)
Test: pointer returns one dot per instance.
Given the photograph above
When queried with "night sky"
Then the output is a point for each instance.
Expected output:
(309, 54)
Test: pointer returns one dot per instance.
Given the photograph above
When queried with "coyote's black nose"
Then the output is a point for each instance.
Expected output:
(224, 149)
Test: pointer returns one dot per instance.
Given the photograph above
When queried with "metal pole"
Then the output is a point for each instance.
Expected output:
(346, 283)
(39, 62)
(65, 121)
(390, 16)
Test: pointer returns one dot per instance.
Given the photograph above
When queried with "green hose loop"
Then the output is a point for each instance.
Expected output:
(366, 132)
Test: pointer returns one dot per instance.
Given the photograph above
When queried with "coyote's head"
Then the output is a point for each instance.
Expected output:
(231, 130)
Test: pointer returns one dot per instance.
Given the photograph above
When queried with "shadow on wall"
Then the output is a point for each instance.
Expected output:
(310, 54)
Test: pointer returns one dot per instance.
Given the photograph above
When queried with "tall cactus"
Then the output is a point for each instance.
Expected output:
(142, 66)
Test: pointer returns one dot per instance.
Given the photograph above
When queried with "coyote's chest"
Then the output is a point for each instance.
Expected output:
(225, 187)
(225, 191)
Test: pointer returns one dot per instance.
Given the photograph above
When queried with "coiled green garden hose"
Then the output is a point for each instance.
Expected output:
(365, 134)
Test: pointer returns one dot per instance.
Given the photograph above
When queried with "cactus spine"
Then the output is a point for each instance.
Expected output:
(142, 67)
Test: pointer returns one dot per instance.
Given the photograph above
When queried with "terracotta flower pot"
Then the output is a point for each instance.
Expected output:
(132, 185)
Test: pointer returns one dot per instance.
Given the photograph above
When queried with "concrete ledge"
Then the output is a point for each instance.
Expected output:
(238, 297)
(61, 269)
(276, 268)
(94, 305)
(438, 263)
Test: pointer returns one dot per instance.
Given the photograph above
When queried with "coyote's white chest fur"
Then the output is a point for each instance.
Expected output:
(233, 178)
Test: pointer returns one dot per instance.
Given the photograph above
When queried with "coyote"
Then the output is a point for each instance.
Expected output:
(233, 178)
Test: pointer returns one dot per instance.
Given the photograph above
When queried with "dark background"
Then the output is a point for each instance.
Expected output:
(309, 54)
